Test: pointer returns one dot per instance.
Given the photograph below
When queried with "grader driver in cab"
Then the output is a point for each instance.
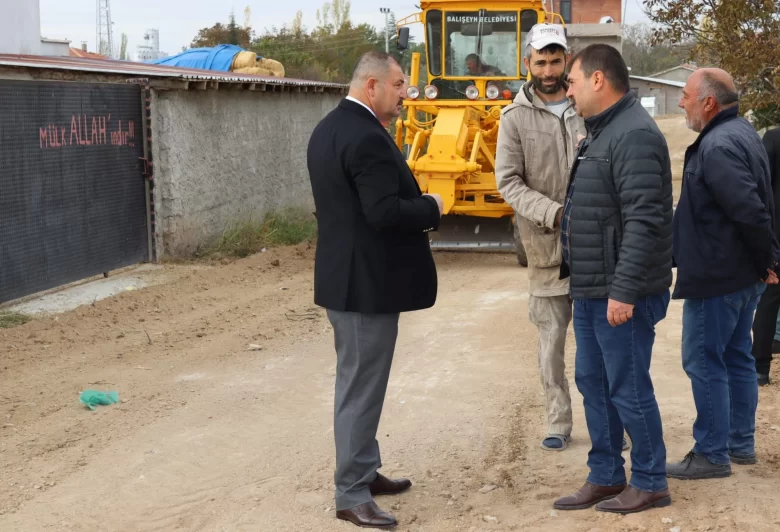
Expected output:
(475, 68)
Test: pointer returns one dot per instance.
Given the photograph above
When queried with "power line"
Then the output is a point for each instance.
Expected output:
(357, 37)
(315, 49)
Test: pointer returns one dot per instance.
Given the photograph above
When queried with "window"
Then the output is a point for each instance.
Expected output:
(564, 8)
(433, 39)
(481, 44)
(528, 19)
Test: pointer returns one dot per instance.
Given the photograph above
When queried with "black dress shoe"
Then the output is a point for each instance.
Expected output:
(367, 515)
(763, 379)
(384, 486)
(695, 467)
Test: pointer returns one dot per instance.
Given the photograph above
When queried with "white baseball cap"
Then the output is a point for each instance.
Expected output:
(544, 34)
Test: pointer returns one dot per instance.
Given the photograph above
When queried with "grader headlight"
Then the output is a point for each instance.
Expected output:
(492, 92)
(413, 93)
(472, 93)
(431, 92)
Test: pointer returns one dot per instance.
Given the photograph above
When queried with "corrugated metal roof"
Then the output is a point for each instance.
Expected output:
(684, 66)
(670, 82)
(130, 68)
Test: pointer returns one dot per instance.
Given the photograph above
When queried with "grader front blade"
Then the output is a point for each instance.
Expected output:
(453, 155)
(474, 233)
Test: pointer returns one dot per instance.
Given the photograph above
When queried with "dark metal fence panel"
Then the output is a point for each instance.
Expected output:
(72, 195)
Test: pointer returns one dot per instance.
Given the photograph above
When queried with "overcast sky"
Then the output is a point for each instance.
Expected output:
(179, 20)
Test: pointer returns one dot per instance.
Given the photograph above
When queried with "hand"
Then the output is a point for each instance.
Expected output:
(619, 313)
(580, 138)
(439, 202)
(558, 217)
(771, 278)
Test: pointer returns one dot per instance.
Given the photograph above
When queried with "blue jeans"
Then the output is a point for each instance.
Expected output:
(716, 355)
(612, 371)
(777, 328)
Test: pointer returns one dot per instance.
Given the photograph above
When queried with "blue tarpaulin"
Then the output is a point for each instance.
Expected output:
(217, 58)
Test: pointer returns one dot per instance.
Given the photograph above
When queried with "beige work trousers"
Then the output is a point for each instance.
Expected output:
(552, 316)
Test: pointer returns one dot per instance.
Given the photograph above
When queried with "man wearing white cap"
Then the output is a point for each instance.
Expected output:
(537, 139)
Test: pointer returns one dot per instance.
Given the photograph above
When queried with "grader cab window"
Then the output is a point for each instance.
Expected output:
(481, 44)
(433, 39)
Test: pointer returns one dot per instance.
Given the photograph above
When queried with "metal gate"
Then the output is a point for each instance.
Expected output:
(72, 193)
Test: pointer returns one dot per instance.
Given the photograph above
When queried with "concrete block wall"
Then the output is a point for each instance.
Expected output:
(583, 35)
(222, 156)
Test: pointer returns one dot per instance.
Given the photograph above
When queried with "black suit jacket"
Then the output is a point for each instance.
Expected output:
(373, 253)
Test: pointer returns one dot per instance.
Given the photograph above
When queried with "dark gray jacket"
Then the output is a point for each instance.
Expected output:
(723, 237)
(620, 225)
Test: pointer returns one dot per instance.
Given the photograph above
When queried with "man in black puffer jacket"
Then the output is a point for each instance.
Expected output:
(724, 247)
(617, 247)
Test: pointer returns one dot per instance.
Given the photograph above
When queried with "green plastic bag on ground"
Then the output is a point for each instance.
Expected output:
(92, 398)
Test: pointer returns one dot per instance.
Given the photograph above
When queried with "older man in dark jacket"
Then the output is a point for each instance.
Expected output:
(724, 247)
(617, 242)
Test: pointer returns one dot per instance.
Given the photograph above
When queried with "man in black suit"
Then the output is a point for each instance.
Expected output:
(373, 261)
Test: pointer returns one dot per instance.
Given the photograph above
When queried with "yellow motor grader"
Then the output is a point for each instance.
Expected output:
(448, 132)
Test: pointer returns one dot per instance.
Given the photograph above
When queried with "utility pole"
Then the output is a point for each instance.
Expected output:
(386, 12)
(105, 31)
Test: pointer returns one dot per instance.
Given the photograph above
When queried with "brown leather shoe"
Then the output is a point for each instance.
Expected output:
(367, 515)
(384, 486)
(587, 496)
(633, 500)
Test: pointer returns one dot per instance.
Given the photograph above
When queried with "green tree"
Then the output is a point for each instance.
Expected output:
(643, 58)
(740, 36)
(123, 48)
(332, 16)
(233, 29)
(223, 34)
(328, 52)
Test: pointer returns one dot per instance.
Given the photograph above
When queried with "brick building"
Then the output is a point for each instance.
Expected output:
(587, 11)
(583, 20)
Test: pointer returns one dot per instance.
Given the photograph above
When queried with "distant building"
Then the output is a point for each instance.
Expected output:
(76, 52)
(591, 22)
(20, 30)
(580, 36)
(678, 73)
(587, 11)
(150, 49)
(57, 47)
(659, 96)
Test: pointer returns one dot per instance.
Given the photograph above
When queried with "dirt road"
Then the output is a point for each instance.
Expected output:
(210, 435)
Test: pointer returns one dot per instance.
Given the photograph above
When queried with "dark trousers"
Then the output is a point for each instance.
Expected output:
(612, 372)
(764, 326)
(364, 349)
